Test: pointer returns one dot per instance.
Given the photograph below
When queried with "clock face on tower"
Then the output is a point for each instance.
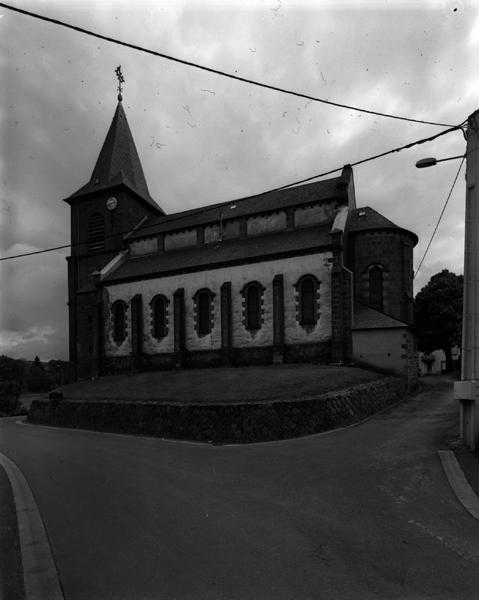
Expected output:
(111, 203)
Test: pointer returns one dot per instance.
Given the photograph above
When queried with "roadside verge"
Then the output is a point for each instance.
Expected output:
(464, 492)
(40, 575)
(11, 572)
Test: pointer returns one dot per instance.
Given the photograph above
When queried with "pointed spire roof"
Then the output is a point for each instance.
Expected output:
(118, 162)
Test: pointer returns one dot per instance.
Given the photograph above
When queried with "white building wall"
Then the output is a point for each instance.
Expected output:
(291, 269)
(380, 347)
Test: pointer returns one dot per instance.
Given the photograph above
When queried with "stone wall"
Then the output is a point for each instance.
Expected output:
(393, 252)
(225, 423)
(291, 269)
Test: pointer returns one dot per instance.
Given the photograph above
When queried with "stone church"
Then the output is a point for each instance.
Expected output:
(296, 275)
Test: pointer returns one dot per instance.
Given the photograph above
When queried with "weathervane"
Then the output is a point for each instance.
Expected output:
(121, 80)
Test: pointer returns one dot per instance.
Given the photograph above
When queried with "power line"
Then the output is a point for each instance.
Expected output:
(440, 216)
(39, 251)
(215, 71)
(365, 160)
(277, 189)
(301, 181)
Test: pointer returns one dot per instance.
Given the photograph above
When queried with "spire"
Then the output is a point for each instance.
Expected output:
(119, 157)
(118, 161)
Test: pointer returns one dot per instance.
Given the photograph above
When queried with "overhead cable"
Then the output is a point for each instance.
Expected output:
(243, 199)
(215, 71)
(440, 216)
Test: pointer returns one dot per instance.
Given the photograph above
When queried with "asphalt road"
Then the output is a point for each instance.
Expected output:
(356, 514)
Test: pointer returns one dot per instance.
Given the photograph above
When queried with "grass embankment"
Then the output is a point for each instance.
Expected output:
(221, 385)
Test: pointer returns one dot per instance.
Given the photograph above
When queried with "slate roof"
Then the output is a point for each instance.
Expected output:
(367, 219)
(118, 163)
(261, 203)
(366, 317)
(298, 241)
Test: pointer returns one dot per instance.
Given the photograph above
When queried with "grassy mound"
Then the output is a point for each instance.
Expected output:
(221, 385)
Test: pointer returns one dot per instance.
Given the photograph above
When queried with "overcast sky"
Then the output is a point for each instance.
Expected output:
(203, 138)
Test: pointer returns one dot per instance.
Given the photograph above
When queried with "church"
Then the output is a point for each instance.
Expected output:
(299, 274)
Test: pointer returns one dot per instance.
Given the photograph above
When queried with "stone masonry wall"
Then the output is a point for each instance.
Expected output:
(291, 269)
(394, 252)
(227, 423)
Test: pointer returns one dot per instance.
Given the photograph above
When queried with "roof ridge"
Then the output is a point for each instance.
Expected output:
(316, 192)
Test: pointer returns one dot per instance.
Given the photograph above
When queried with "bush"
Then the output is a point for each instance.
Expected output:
(9, 393)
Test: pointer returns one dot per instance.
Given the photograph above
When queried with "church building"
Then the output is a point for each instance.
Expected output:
(295, 275)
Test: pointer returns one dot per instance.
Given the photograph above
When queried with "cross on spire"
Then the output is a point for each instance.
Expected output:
(121, 80)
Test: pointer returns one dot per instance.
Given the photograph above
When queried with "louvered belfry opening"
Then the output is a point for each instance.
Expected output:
(96, 232)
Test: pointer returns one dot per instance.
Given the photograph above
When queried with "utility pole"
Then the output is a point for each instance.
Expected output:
(467, 390)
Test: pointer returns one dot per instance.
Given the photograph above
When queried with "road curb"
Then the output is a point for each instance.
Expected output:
(464, 492)
(39, 571)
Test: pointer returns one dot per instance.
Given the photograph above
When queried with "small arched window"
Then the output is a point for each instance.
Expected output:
(119, 321)
(159, 316)
(204, 311)
(376, 287)
(252, 294)
(96, 232)
(307, 288)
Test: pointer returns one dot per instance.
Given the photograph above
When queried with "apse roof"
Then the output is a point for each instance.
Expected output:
(367, 219)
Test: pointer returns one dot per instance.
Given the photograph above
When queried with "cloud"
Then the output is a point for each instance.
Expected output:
(33, 300)
(233, 139)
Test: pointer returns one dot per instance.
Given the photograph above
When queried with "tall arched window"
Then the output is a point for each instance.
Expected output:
(376, 287)
(119, 321)
(204, 311)
(252, 294)
(307, 288)
(253, 308)
(96, 232)
(308, 303)
(159, 316)
(204, 325)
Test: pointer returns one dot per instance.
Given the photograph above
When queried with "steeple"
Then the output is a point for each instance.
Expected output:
(118, 161)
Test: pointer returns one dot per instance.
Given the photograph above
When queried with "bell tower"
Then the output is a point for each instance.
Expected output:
(103, 211)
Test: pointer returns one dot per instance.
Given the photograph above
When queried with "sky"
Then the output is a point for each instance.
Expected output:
(203, 138)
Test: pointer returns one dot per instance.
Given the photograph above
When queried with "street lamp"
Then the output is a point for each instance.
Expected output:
(430, 162)
(466, 391)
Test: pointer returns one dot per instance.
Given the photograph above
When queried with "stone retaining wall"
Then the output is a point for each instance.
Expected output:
(224, 423)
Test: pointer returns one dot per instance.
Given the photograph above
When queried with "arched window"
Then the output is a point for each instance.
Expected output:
(307, 288)
(204, 311)
(252, 294)
(119, 321)
(159, 317)
(376, 287)
(96, 232)
(253, 308)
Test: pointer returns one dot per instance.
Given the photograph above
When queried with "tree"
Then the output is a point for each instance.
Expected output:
(12, 375)
(12, 369)
(37, 378)
(438, 314)
(59, 372)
